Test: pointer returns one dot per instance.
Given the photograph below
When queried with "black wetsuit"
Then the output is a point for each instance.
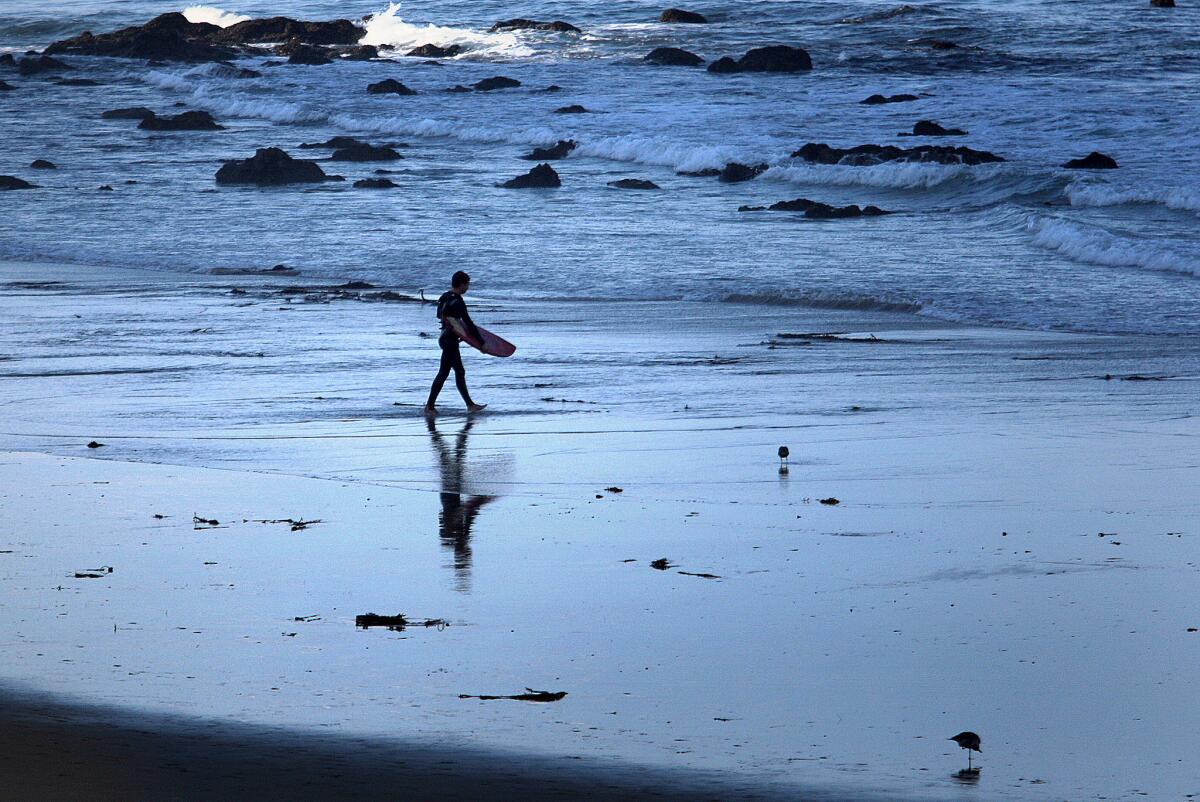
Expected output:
(451, 304)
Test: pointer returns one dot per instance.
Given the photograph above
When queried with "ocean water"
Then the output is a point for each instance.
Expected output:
(1022, 244)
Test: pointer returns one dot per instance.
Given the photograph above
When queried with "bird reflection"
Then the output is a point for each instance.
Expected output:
(458, 513)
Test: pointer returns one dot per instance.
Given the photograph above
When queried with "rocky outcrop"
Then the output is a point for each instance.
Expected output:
(633, 183)
(363, 152)
(130, 113)
(496, 82)
(867, 155)
(389, 86)
(540, 177)
(673, 57)
(930, 128)
(875, 100)
(375, 183)
(37, 65)
(819, 211)
(335, 143)
(735, 173)
(359, 53)
(1093, 161)
(42, 164)
(679, 15)
(775, 58)
(574, 108)
(187, 121)
(300, 53)
(706, 172)
(1162, 3)
(559, 151)
(458, 89)
(433, 51)
(12, 182)
(270, 167)
(521, 24)
(283, 29)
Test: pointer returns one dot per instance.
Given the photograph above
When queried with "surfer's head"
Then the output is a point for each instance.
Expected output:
(459, 282)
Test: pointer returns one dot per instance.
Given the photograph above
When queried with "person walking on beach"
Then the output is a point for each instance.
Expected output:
(452, 305)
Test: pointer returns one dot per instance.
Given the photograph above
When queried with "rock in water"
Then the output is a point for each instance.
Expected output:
(270, 167)
(360, 53)
(41, 64)
(930, 128)
(875, 100)
(542, 176)
(42, 164)
(12, 182)
(679, 15)
(131, 113)
(375, 183)
(633, 183)
(867, 155)
(5, 86)
(1093, 161)
(775, 58)
(735, 173)
(309, 55)
(496, 82)
(823, 211)
(672, 57)
(283, 29)
(572, 109)
(335, 143)
(187, 121)
(362, 152)
(389, 86)
(521, 24)
(167, 37)
(1162, 3)
(433, 51)
(724, 65)
(559, 151)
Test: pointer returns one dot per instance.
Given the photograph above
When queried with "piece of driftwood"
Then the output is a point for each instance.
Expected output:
(530, 695)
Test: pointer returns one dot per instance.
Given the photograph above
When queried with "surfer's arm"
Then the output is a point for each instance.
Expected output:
(470, 324)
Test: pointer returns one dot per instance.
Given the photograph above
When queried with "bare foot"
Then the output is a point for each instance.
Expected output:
(477, 408)
(430, 411)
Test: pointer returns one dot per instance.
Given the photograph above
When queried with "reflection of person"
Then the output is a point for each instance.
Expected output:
(452, 305)
(457, 516)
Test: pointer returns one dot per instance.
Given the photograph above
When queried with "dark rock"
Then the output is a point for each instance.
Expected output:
(310, 55)
(42, 164)
(41, 64)
(679, 15)
(751, 208)
(724, 65)
(335, 143)
(168, 37)
(673, 57)
(187, 121)
(270, 167)
(572, 109)
(389, 86)
(542, 176)
(707, 172)
(735, 173)
(776, 58)
(360, 53)
(496, 82)
(431, 63)
(457, 88)
(282, 29)
(131, 113)
(8, 60)
(5, 86)
(105, 188)
(1162, 3)
(633, 183)
(433, 51)
(551, 88)
(823, 211)
(533, 25)
(77, 82)
(375, 183)
(866, 155)
(362, 152)
(876, 16)
(938, 44)
(224, 69)
(930, 128)
(875, 100)
(559, 151)
(1093, 161)
(12, 182)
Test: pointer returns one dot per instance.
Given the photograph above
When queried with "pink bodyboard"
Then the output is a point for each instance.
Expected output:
(492, 344)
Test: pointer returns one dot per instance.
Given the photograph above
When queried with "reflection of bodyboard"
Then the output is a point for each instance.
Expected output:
(493, 345)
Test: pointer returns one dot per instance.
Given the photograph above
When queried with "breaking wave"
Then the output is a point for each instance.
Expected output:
(387, 29)
(1084, 194)
(213, 15)
(1097, 246)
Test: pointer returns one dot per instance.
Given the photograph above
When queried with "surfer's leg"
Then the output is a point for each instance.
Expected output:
(460, 376)
(443, 371)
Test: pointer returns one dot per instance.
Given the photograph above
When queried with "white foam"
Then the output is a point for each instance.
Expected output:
(889, 175)
(388, 29)
(213, 15)
(1097, 246)
(1088, 194)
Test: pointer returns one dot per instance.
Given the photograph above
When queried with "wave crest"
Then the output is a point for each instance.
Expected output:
(1084, 194)
(213, 15)
(387, 29)
(1097, 246)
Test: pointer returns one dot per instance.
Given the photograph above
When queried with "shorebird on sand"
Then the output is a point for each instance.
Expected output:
(783, 455)
(969, 741)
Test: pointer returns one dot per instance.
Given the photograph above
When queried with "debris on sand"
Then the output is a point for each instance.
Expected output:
(661, 564)
(530, 695)
(200, 523)
(702, 576)
(396, 623)
(307, 618)
(840, 337)
(297, 524)
(614, 489)
(830, 502)
(94, 444)
(94, 573)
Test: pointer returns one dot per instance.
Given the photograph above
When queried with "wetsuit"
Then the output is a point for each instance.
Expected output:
(451, 304)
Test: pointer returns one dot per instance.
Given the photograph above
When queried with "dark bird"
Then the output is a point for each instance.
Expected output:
(783, 453)
(969, 741)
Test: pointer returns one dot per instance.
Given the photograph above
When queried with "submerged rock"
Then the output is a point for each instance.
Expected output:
(363, 152)
(867, 155)
(559, 151)
(270, 167)
(433, 51)
(335, 143)
(775, 58)
(633, 183)
(673, 57)
(5, 86)
(309, 55)
(1162, 3)
(375, 183)
(572, 109)
(706, 172)
(679, 15)
(735, 172)
(541, 177)
(823, 211)
(130, 113)
(76, 82)
(1093, 161)
(875, 100)
(12, 182)
(521, 24)
(458, 88)
(187, 121)
(359, 53)
(496, 82)
(389, 86)
(42, 164)
(930, 128)
(41, 64)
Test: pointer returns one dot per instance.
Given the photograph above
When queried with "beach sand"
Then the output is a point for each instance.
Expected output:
(1013, 551)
